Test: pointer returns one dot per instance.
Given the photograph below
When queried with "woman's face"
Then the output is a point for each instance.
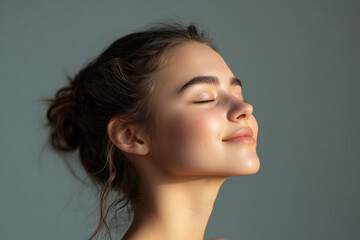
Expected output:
(189, 134)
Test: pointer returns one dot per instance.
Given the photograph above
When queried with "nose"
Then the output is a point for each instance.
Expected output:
(240, 110)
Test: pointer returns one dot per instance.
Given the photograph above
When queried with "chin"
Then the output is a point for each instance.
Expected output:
(253, 166)
(249, 168)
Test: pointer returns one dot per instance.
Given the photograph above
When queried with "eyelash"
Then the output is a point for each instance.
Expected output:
(211, 100)
(201, 102)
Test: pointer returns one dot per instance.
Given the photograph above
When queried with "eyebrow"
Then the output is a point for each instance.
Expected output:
(208, 80)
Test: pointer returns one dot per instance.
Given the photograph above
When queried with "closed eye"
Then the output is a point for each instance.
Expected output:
(201, 102)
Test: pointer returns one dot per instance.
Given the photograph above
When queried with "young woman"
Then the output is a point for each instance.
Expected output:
(160, 119)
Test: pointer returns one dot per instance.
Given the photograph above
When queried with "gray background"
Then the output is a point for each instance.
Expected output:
(298, 61)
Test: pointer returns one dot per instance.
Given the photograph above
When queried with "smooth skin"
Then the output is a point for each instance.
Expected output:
(181, 174)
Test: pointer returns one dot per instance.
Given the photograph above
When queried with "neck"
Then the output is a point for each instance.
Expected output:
(173, 207)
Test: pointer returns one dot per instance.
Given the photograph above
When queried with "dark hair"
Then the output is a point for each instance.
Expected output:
(118, 83)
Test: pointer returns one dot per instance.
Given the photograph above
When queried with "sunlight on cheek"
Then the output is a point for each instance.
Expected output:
(203, 127)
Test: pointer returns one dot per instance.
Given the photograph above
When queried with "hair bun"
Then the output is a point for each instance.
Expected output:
(63, 118)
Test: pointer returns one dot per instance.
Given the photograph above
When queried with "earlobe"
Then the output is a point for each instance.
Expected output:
(128, 138)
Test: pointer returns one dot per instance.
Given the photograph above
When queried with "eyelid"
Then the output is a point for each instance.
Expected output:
(205, 96)
(240, 96)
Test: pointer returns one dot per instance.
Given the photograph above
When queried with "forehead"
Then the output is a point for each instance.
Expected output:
(189, 60)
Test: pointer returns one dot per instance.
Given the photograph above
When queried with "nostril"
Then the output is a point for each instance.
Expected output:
(241, 115)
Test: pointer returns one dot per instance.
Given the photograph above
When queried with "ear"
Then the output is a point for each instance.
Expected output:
(129, 138)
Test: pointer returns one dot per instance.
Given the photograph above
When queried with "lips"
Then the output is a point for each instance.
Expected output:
(242, 132)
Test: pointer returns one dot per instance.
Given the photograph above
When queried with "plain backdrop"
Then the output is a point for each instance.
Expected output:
(299, 65)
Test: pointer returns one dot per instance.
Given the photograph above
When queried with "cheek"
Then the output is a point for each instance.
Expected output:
(187, 139)
(199, 127)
